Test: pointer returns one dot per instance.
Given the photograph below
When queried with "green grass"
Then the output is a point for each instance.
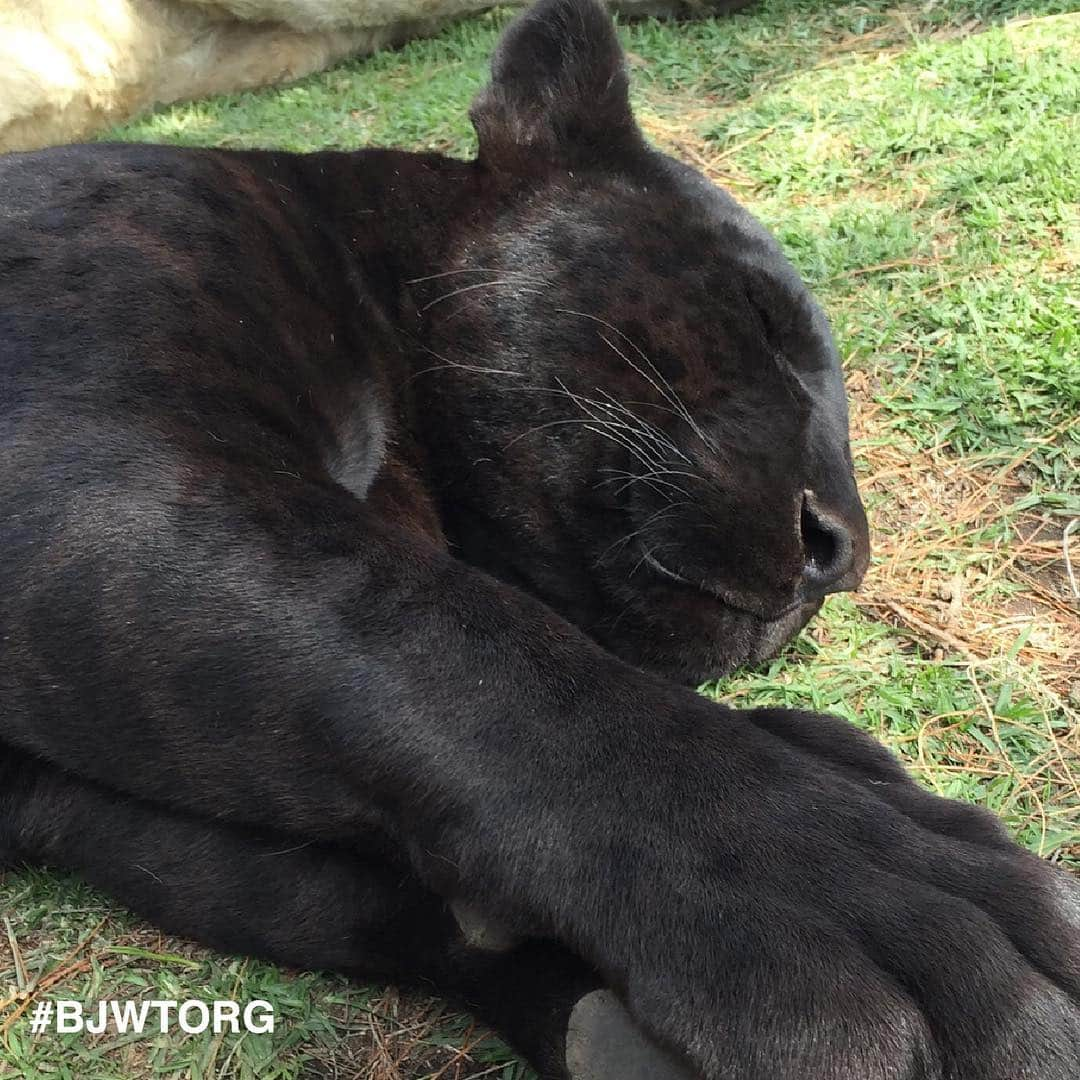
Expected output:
(921, 165)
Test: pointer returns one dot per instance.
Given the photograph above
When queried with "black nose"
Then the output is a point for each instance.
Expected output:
(828, 551)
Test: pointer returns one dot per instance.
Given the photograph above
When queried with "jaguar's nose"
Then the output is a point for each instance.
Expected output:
(829, 551)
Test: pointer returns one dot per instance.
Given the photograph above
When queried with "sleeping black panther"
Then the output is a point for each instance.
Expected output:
(362, 515)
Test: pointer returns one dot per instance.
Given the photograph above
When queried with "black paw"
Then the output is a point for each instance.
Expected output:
(821, 917)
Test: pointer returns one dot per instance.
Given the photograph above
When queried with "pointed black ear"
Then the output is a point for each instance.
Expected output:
(558, 87)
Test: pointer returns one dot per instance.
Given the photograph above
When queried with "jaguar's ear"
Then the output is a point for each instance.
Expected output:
(558, 88)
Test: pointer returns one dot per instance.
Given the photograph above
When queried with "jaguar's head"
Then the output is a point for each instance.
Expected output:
(636, 408)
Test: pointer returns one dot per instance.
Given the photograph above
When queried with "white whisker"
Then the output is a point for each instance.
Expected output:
(475, 285)
(666, 390)
(450, 273)
(659, 515)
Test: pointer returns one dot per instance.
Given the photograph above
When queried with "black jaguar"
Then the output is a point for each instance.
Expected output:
(362, 519)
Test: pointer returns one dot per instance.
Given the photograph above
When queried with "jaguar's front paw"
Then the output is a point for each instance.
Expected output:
(824, 919)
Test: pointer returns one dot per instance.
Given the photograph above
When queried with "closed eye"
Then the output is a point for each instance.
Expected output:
(764, 316)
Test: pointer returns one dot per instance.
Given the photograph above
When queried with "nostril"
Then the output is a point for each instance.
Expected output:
(828, 551)
(819, 544)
